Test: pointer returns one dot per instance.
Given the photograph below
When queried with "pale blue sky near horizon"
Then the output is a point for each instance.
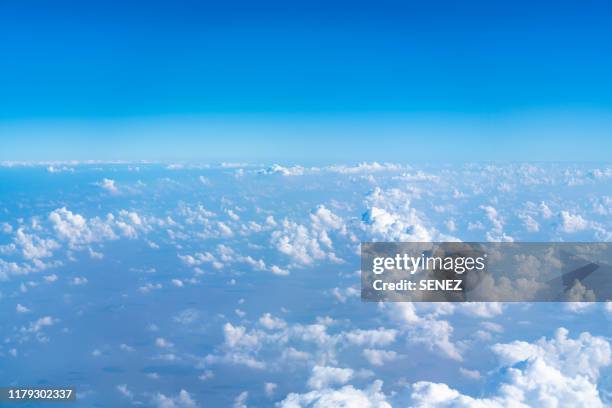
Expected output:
(314, 139)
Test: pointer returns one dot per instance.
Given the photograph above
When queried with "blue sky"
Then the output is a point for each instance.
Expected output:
(274, 81)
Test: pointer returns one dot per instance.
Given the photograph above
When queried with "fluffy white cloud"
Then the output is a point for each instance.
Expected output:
(77, 230)
(426, 330)
(237, 336)
(182, 400)
(529, 223)
(471, 374)
(608, 307)
(39, 324)
(346, 397)
(187, 316)
(163, 343)
(570, 223)
(299, 243)
(361, 168)
(197, 259)
(482, 309)
(149, 287)
(272, 323)
(108, 185)
(549, 373)
(50, 278)
(243, 346)
(390, 217)
(21, 309)
(79, 280)
(123, 390)
(33, 247)
(284, 171)
(308, 243)
(379, 357)
(366, 168)
(373, 338)
(496, 234)
(405, 227)
(8, 269)
(584, 356)
(241, 399)
(342, 295)
(323, 377)
(60, 169)
(224, 230)
(277, 270)
(418, 176)
(322, 219)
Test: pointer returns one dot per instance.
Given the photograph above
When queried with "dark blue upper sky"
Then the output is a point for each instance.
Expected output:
(107, 61)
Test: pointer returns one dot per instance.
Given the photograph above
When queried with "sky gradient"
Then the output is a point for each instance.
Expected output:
(275, 81)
